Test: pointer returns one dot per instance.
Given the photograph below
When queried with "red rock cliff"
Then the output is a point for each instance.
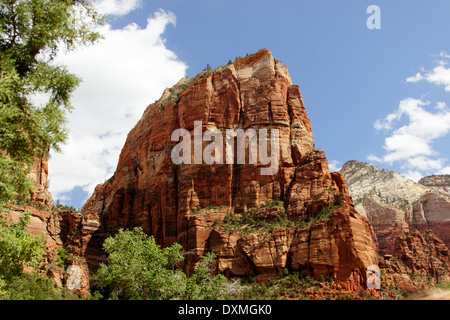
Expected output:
(39, 175)
(208, 207)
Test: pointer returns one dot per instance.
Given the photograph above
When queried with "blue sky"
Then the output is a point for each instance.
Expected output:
(377, 96)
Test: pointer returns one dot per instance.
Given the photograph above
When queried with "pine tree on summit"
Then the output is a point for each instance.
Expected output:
(208, 67)
(31, 34)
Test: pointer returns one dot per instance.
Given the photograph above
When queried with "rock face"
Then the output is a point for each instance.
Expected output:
(39, 174)
(66, 230)
(396, 205)
(437, 182)
(206, 207)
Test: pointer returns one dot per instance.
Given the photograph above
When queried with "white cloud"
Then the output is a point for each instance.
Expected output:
(417, 77)
(374, 158)
(401, 146)
(412, 144)
(425, 164)
(413, 175)
(387, 123)
(116, 7)
(445, 170)
(441, 106)
(334, 166)
(444, 54)
(122, 75)
(439, 75)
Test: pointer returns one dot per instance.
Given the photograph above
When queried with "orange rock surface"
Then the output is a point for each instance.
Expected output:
(74, 232)
(182, 203)
(420, 260)
(39, 174)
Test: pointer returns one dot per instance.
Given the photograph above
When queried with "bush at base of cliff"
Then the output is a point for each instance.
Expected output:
(31, 286)
(138, 269)
(18, 248)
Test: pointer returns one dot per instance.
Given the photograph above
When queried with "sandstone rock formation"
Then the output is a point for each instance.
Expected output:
(437, 182)
(313, 226)
(419, 260)
(396, 205)
(39, 174)
(66, 230)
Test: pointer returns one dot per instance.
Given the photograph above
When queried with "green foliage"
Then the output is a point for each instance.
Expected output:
(61, 257)
(13, 179)
(207, 68)
(207, 210)
(288, 285)
(31, 286)
(257, 219)
(18, 248)
(201, 285)
(62, 207)
(31, 33)
(3, 290)
(443, 285)
(292, 286)
(138, 269)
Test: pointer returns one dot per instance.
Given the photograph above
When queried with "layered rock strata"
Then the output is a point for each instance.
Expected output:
(71, 232)
(420, 260)
(305, 218)
(396, 205)
(440, 183)
(38, 173)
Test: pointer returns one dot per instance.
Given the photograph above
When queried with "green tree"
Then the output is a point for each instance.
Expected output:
(208, 67)
(32, 286)
(18, 248)
(139, 269)
(202, 286)
(31, 34)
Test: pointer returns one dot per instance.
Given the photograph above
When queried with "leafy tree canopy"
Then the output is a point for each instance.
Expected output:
(18, 248)
(31, 34)
(139, 269)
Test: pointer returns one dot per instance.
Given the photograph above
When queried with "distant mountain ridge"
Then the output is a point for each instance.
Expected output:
(396, 205)
(440, 183)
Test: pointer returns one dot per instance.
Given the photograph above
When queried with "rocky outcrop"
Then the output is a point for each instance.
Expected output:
(396, 205)
(313, 228)
(440, 183)
(39, 175)
(419, 261)
(337, 246)
(73, 232)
